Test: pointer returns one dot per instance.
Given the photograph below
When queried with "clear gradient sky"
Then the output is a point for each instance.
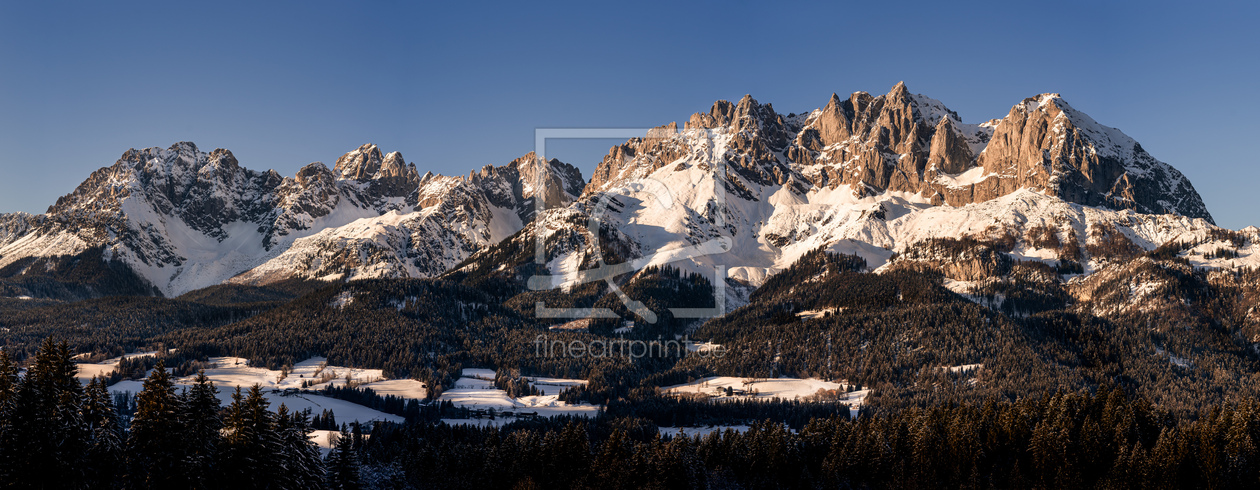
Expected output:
(456, 87)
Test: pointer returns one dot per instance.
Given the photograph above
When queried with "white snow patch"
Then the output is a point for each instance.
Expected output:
(701, 432)
(87, 371)
(772, 388)
(342, 300)
(476, 390)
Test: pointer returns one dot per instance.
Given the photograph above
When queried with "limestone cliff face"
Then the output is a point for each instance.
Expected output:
(517, 184)
(962, 260)
(910, 143)
(639, 157)
(949, 152)
(1045, 145)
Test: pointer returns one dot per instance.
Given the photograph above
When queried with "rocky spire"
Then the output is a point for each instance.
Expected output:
(1044, 144)
(313, 174)
(833, 125)
(392, 166)
(949, 152)
(361, 164)
(224, 158)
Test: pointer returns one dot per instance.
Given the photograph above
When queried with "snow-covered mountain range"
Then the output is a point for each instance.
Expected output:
(184, 219)
(741, 186)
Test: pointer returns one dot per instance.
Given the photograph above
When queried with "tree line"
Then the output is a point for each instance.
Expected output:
(56, 433)
(1058, 440)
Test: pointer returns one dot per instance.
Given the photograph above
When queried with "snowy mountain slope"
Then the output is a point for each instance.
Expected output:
(454, 217)
(15, 225)
(741, 186)
(870, 175)
(769, 232)
(184, 219)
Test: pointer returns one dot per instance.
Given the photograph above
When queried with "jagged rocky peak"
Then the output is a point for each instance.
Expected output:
(368, 163)
(746, 116)
(511, 186)
(361, 164)
(206, 190)
(223, 158)
(315, 173)
(152, 207)
(754, 135)
(1046, 145)
(386, 175)
(878, 143)
(897, 118)
(639, 157)
(910, 143)
(517, 184)
(949, 151)
(453, 217)
(394, 166)
(832, 124)
(563, 182)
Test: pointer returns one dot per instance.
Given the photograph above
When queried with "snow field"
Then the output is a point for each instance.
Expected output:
(87, 371)
(768, 389)
(232, 372)
(476, 390)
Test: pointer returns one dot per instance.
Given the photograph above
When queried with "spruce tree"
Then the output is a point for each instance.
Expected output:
(49, 435)
(238, 431)
(250, 445)
(8, 394)
(8, 380)
(201, 424)
(299, 457)
(155, 448)
(310, 465)
(285, 477)
(105, 453)
(343, 464)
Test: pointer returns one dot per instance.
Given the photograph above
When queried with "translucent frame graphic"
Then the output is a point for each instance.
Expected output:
(607, 272)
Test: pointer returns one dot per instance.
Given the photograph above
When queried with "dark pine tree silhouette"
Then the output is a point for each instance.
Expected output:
(105, 450)
(250, 447)
(49, 434)
(343, 464)
(300, 465)
(201, 423)
(155, 448)
(8, 399)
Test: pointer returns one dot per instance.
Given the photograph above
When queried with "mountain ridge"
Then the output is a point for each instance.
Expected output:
(185, 219)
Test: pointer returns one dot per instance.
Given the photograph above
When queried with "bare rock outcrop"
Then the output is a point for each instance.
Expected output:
(949, 152)
(910, 143)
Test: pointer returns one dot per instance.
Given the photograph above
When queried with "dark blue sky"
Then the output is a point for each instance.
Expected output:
(456, 87)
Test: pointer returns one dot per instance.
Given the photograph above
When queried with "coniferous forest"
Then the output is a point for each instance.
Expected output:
(57, 433)
(52, 425)
(1059, 393)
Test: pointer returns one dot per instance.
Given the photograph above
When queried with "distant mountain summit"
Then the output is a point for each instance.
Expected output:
(905, 142)
(184, 219)
(863, 174)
